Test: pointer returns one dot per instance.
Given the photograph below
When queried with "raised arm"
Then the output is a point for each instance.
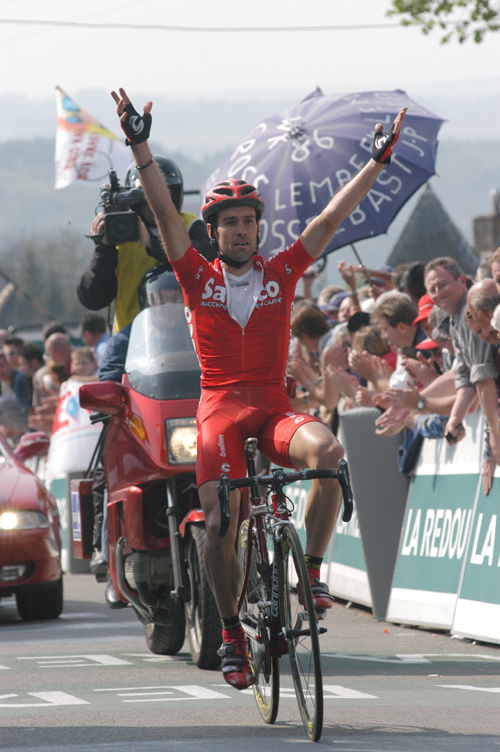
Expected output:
(136, 127)
(318, 233)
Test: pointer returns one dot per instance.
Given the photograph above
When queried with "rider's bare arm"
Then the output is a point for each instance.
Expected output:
(172, 229)
(319, 232)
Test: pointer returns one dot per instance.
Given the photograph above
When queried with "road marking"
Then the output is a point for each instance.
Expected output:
(193, 691)
(25, 629)
(160, 658)
(469, 656)
(83, 615)
(400, 659)
(142, 694)
(344, 693)
(4, 667)
(412, 657)
(72, 661)
(335, 692)
(470, 687)
(51, 699)
(126, 689)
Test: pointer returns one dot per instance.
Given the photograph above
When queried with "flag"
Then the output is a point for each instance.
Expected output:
(85, 149)
(6, 289)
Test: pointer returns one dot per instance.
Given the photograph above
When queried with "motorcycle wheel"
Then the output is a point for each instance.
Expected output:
(202, 617)
(164, 640)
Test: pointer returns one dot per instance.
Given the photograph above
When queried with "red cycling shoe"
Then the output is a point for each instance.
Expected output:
(235, 667)
(320, 593)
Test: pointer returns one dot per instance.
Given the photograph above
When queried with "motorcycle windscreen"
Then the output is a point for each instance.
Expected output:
(161, 361)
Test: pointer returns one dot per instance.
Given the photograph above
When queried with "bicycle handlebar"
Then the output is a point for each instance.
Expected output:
(277, 480)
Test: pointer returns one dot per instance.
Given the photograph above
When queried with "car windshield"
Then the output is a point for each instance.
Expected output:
(161, 361)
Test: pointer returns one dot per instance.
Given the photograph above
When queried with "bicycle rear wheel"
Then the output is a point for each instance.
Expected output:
(301, 627)
(255, 613)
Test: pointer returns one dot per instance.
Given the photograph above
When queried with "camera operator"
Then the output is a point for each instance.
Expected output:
(127, 245)
(116, 268)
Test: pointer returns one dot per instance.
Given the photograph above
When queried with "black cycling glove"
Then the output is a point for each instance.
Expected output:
(383, 146)
(136, 127)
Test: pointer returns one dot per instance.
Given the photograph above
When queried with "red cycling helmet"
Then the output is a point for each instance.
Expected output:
(230, 192)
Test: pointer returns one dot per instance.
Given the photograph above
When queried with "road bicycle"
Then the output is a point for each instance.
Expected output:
(275, 603)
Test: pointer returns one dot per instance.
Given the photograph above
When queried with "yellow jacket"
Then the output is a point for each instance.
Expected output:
(133, 263)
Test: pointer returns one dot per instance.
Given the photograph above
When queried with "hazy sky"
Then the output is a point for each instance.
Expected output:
(34, 59)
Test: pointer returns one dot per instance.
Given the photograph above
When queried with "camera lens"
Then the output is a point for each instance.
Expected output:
(121, 227)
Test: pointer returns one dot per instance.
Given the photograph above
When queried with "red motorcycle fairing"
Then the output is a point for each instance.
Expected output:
(131, 461)
(154, 567)
(134, 466)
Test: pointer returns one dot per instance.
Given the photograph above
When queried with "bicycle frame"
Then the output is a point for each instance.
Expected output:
(277, 611)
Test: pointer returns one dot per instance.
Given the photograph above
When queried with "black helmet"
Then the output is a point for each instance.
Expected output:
(172, 174)
(159, 285)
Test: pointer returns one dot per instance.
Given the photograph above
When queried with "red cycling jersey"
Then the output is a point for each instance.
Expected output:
(229, 353)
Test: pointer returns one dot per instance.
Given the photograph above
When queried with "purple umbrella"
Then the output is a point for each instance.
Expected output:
(300, 158)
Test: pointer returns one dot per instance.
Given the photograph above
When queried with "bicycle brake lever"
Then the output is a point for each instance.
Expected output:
(225, 509)
(345, 484)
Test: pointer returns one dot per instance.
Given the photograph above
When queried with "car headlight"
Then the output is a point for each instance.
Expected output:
(22, 520)
(181, 440)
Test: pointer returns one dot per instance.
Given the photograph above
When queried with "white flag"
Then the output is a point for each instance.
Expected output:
(85, 149)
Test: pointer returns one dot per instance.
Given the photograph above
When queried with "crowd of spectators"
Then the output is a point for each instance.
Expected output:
(419, 343)
(31, 374)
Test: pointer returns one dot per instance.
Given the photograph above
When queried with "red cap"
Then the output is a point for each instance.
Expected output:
(425, 306)
(427, 344)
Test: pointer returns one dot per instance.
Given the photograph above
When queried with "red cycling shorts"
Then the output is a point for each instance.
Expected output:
(229, 415)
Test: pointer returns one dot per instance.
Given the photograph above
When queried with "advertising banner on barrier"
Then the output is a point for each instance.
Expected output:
(347, 576)
(437, 530)
(298, 493)
(346, 573)
(477, 611)
(343, 564)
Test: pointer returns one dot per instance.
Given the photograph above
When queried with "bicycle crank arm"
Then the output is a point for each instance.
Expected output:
(259, 655)
(290, 634)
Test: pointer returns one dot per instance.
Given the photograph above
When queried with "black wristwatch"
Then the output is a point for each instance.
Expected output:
(421, 403)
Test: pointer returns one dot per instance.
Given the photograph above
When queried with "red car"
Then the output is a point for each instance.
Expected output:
(30, 534)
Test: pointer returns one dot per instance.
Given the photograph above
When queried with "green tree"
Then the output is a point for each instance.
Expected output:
(464, 19)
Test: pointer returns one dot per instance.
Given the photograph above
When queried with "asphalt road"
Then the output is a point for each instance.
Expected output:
(87, 683)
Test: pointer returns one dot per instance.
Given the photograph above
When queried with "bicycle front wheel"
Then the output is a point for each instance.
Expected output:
(302, 636)
(255, 618)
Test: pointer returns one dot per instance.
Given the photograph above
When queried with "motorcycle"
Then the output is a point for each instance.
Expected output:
(156, 529)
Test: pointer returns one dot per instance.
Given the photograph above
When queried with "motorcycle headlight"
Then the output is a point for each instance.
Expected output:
(22, 520)
(181, 440)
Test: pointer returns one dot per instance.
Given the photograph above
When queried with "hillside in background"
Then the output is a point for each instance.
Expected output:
(202, 126)
(29, 203)
(37, 222)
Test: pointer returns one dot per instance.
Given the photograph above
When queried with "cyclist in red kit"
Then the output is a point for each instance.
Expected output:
(238, 310)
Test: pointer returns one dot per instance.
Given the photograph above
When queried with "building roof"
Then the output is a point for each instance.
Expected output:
(430, 233)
